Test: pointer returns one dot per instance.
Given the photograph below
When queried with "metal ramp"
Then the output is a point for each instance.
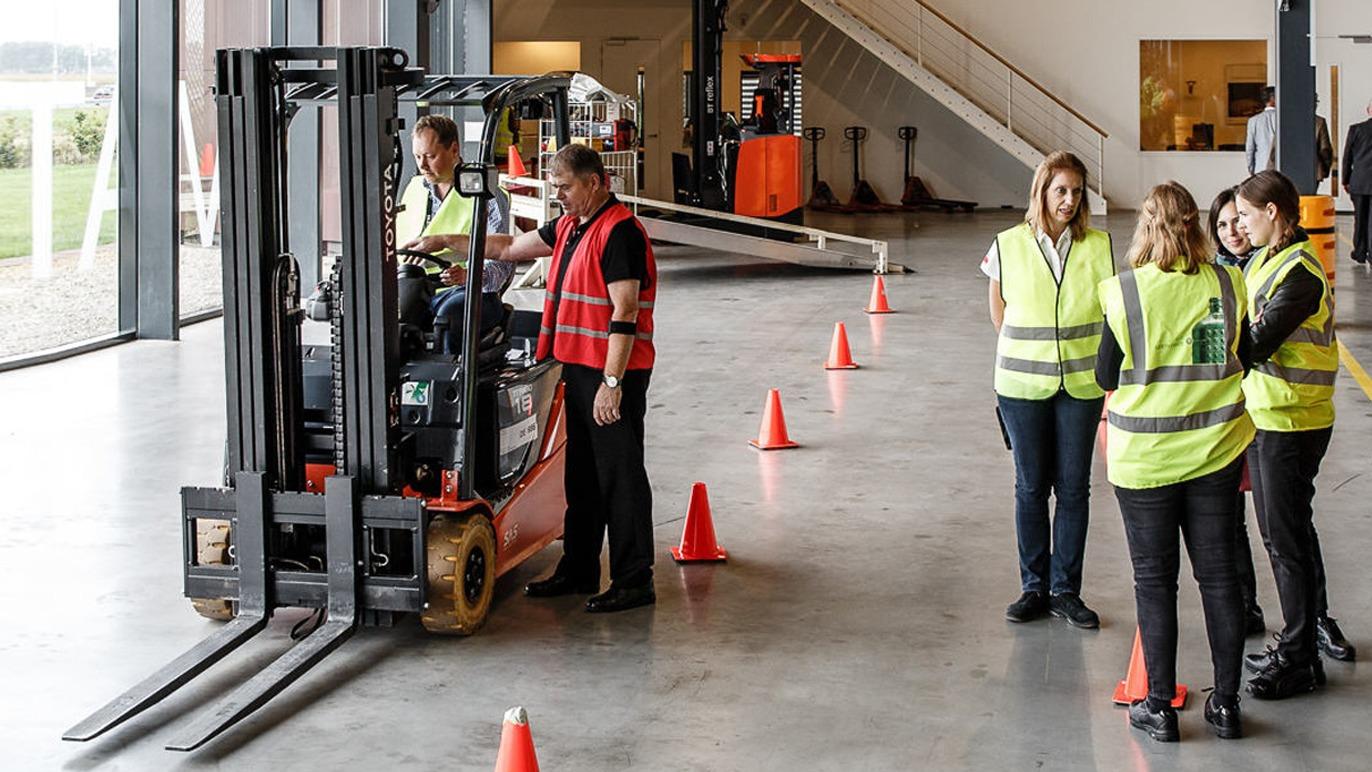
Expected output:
(823, 252)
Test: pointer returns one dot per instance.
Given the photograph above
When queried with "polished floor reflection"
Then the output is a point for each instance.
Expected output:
(857, 625)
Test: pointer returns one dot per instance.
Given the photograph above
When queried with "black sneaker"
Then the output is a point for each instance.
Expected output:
(1069, 606)
(1160, 725)
(1259, 661)
(1224, 720)
(1330, 639)
(1283, 678)
(1030, 606)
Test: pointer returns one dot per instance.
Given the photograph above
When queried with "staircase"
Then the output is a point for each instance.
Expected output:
(977, 84)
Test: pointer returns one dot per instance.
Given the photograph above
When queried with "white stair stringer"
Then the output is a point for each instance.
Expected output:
(935, 87)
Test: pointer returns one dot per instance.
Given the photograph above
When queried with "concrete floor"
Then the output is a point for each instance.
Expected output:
(858, 624)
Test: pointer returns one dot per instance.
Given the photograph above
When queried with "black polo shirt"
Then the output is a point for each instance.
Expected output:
(626, 250)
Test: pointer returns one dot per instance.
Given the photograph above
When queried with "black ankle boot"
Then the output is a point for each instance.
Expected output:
(1283, 678)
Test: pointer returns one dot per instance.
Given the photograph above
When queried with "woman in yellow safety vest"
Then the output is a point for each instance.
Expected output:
(1172, 352)
(1290, 395)
(1042, 298)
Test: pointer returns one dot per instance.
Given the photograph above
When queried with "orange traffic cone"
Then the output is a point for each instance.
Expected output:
(772, 434)
(517, 163)
(1134, 687)
(840, 358)
(207, 160)
(516, 744)
(698, 538)
(877, 305)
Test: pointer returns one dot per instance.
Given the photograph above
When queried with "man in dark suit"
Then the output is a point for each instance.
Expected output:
(1357, 183)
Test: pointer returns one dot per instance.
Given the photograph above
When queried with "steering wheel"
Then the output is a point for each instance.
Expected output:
(438, 261)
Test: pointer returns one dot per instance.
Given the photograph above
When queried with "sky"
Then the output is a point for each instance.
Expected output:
(71, 22)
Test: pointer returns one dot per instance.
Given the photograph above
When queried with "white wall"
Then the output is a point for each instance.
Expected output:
(1086, 51)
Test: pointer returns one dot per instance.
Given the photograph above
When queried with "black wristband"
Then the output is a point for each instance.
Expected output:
(623, 328)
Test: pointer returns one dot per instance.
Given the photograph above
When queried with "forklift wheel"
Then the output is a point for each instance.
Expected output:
(212, 549)
(461, 567)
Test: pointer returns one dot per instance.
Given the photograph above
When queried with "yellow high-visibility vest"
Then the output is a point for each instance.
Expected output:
(1293, 390)
(1178, 413)
(1051, 328)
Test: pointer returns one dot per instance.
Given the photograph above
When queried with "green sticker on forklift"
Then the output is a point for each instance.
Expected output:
(414, 393)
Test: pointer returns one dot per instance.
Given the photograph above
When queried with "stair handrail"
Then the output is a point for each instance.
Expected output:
(910, 31)
(1010, 66)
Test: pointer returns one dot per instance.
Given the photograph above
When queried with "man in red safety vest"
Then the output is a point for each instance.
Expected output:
(598, 322)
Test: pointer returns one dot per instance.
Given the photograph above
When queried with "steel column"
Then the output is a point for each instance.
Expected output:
(1296, 94)
(157, 173)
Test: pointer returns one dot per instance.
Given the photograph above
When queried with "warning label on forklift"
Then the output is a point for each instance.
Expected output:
(514, 437)
(414, 393)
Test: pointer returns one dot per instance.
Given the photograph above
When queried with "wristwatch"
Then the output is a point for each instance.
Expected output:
(611, 381)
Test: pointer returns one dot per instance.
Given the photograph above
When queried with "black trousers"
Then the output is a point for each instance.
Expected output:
(1362, 225)
(1283, 466)
(606, 482)
(1243, 559)
(1200, 511)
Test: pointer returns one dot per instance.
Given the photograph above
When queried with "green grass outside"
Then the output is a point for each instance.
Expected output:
(71, 195)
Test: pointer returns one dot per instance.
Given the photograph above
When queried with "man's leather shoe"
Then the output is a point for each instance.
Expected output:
(1330, 639)
(1030, 606)
(1224, 720)
(1160, 725)
(1253, 623)
(1258, 661)
(622, 599)
(1283, 678)
(558, 585)
(1069, 606)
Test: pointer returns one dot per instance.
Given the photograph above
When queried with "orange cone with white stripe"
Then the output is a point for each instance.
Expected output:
(516, 744)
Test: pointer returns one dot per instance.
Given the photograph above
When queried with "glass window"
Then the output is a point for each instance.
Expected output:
(1199, 94)
(59, 260)
(206, 26)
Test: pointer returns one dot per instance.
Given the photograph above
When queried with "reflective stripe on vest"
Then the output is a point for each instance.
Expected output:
(1171, 419)
(581, 332)
(1051, 328)
(1294, 389)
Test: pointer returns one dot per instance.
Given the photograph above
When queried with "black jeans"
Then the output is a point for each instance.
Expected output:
(1243, 559)
(1202, 511)
(1283, 466)
(1052, 440)
(606, 482)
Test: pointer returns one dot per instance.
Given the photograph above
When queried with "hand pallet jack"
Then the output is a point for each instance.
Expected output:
(864, 198)
(917, 195)
(822, 198)
(369, 478)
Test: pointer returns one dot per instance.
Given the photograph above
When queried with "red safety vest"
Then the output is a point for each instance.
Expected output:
(584, 308)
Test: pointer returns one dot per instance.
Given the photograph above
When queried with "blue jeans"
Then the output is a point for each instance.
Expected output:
(1052, 440)
(451, 305)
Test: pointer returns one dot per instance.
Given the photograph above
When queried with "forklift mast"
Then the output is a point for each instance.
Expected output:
(708, 160)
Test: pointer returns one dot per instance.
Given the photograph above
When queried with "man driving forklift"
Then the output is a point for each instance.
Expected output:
(598, 322)
(430, 206)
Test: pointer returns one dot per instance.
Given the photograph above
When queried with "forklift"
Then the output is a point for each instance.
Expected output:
(375, 476)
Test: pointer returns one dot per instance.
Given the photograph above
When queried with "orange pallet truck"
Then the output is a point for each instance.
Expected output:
(917, 195)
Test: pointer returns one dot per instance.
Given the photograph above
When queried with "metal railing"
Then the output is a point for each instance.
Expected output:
(985, 78)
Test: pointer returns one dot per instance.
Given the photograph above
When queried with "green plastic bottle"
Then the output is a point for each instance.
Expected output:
(1207, 337)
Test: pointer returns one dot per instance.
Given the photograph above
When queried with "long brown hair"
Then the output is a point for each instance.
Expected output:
(1273, 187)
(1169, 233)
(1037, 215)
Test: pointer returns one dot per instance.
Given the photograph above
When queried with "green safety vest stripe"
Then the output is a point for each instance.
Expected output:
(1052, 333)
(1172, 424)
